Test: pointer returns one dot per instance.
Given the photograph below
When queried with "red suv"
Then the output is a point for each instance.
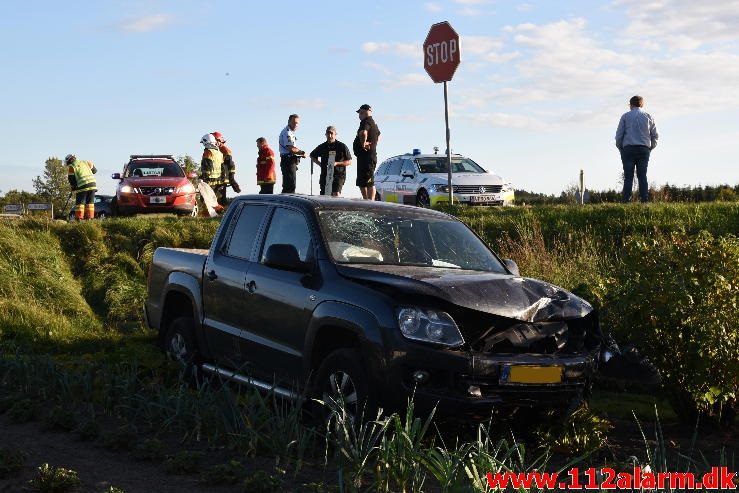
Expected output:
(154, 183)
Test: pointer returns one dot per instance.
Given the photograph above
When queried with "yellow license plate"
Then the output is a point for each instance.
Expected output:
(535, 374)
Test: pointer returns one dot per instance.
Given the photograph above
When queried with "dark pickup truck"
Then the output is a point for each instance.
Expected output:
(369, 302)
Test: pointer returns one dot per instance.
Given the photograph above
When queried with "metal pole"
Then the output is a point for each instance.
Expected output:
(448, 148)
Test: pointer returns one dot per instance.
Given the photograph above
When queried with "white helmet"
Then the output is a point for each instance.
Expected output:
(209, 141)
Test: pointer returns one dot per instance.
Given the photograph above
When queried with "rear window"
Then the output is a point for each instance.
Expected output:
(153, 168)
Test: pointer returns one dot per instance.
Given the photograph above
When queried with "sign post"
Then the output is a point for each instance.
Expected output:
(441, 59)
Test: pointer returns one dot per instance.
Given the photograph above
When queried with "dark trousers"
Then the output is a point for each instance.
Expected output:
(289, 167)
(220, 191)
(267, 189)
(635, 157)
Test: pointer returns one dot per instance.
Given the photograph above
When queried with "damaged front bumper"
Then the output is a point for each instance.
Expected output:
(467, 383)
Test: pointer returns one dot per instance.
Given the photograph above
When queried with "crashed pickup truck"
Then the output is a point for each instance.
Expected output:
(370, 303)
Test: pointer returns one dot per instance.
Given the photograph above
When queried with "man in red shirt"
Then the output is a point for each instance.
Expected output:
(265, 167)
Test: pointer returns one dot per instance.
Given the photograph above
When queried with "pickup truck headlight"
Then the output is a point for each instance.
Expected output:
(428, 325)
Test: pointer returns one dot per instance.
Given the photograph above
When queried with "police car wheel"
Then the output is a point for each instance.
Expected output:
(423, 199)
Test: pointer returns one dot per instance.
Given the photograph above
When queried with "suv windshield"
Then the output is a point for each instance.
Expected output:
(438, 165)
(153, 169)
(365, 237)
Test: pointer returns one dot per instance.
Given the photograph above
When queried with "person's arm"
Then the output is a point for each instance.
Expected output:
(206, 166)
(620, 133)
(292, 147)
(653, 132)
(315, 154)
(92, 167)
(373, 145)
(347, 161)
(71, 178)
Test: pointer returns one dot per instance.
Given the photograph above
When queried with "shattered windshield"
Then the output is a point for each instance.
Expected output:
(382, 238)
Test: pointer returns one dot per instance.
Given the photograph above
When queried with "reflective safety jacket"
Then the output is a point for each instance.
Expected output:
(266, 166)
(81, 175)
(211, 167)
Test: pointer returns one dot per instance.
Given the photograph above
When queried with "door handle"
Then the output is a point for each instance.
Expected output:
(211, 275)
(251, 286)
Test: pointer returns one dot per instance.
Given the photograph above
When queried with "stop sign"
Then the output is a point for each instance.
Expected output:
(441, 52)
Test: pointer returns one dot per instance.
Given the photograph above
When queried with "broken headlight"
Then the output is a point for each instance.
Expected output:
(428, 325)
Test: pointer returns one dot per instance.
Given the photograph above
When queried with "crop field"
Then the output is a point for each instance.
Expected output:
(85, 390)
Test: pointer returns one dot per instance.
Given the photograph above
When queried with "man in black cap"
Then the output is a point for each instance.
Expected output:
(365, 148)
(321, 155)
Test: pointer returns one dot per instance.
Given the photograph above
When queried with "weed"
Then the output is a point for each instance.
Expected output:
(11, 461)
(23, 411)
(122, 438)
(55, 479)
(582, 434)
(184, 462)
(150, 449)
(229, 473)
(113, 489)
(60, 418)
(262, 482)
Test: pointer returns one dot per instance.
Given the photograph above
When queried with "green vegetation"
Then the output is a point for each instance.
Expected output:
(664, 277)
(55, 479)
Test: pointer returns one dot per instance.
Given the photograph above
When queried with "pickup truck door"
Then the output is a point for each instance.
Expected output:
(280, 302)
(224, 288)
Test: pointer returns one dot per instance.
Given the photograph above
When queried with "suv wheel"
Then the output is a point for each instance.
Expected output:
(423, 199)
(341, 379)
(179, 343)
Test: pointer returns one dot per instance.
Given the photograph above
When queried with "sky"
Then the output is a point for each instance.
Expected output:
(536, 98)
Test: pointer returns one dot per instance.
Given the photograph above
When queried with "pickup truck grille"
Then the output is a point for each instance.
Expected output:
(477, 189)
(156, 190)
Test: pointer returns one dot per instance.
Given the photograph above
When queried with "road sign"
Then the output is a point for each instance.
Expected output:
(441, 52)
(13, 209)
(39, 206)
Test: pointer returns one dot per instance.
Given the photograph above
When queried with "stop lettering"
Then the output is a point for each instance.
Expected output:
(441, 52)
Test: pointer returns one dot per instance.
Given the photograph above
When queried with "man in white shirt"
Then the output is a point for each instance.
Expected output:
(289, 154)
(636, 136)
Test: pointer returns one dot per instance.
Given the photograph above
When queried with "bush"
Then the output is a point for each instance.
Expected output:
(55, 479)
(676, 297)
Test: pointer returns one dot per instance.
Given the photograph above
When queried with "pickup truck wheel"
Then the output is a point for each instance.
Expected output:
(180, 341)
(341, 378)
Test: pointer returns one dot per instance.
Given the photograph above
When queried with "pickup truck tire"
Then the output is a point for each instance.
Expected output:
(341, 376)
(179, 342)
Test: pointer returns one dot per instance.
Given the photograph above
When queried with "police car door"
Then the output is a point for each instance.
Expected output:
(406, 187)
(387, 186)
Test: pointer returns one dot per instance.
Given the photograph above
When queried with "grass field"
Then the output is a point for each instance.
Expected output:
(665, 278)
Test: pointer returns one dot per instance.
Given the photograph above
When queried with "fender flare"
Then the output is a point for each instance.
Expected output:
(187, 285)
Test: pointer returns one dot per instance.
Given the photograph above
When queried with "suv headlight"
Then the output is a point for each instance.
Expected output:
(427, 325)
(187, 188)
(127, 189)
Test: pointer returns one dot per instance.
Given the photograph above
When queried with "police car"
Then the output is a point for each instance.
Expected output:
(421, 179)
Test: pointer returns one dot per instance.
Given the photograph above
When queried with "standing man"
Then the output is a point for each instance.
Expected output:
(342, 159)
(211, 168)
(81, 177)
(289, 154)
(265, 167)
(636, 136)
(228, 172)
(365, 148)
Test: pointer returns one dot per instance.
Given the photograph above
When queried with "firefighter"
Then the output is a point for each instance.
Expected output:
(82, 180)
(229, 167)
(211, 167)
(265, 167)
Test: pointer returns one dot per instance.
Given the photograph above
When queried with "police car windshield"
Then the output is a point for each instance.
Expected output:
(364, 237)
(140, 170)
(439, 165)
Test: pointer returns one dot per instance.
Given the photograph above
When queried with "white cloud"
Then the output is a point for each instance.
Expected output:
(472, 2)
(378, 67)
(681, 24)
(470, 12)
(401, 49)
(146, 23)
(524, 7)
(406, 80)
(432, 7)
(480, 45)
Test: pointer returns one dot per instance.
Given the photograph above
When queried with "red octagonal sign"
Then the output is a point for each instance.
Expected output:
(441, 52)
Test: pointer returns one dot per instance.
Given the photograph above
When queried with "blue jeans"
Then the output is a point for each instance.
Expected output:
(635, 157)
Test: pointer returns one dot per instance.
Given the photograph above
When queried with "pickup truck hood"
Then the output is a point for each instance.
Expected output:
(519, 298)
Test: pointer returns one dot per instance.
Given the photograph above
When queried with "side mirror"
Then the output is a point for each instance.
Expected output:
(285, 257)
(116, 176)
(512, 267)
(192, 175)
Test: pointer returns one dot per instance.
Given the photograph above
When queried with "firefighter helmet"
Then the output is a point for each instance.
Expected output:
(219, 137)
(209, 141)
(70, 158)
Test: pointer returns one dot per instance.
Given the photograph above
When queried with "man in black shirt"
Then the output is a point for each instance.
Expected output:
(342, 159)
(365, 148)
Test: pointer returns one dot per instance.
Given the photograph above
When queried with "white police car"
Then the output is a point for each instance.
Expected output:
(421, 179)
